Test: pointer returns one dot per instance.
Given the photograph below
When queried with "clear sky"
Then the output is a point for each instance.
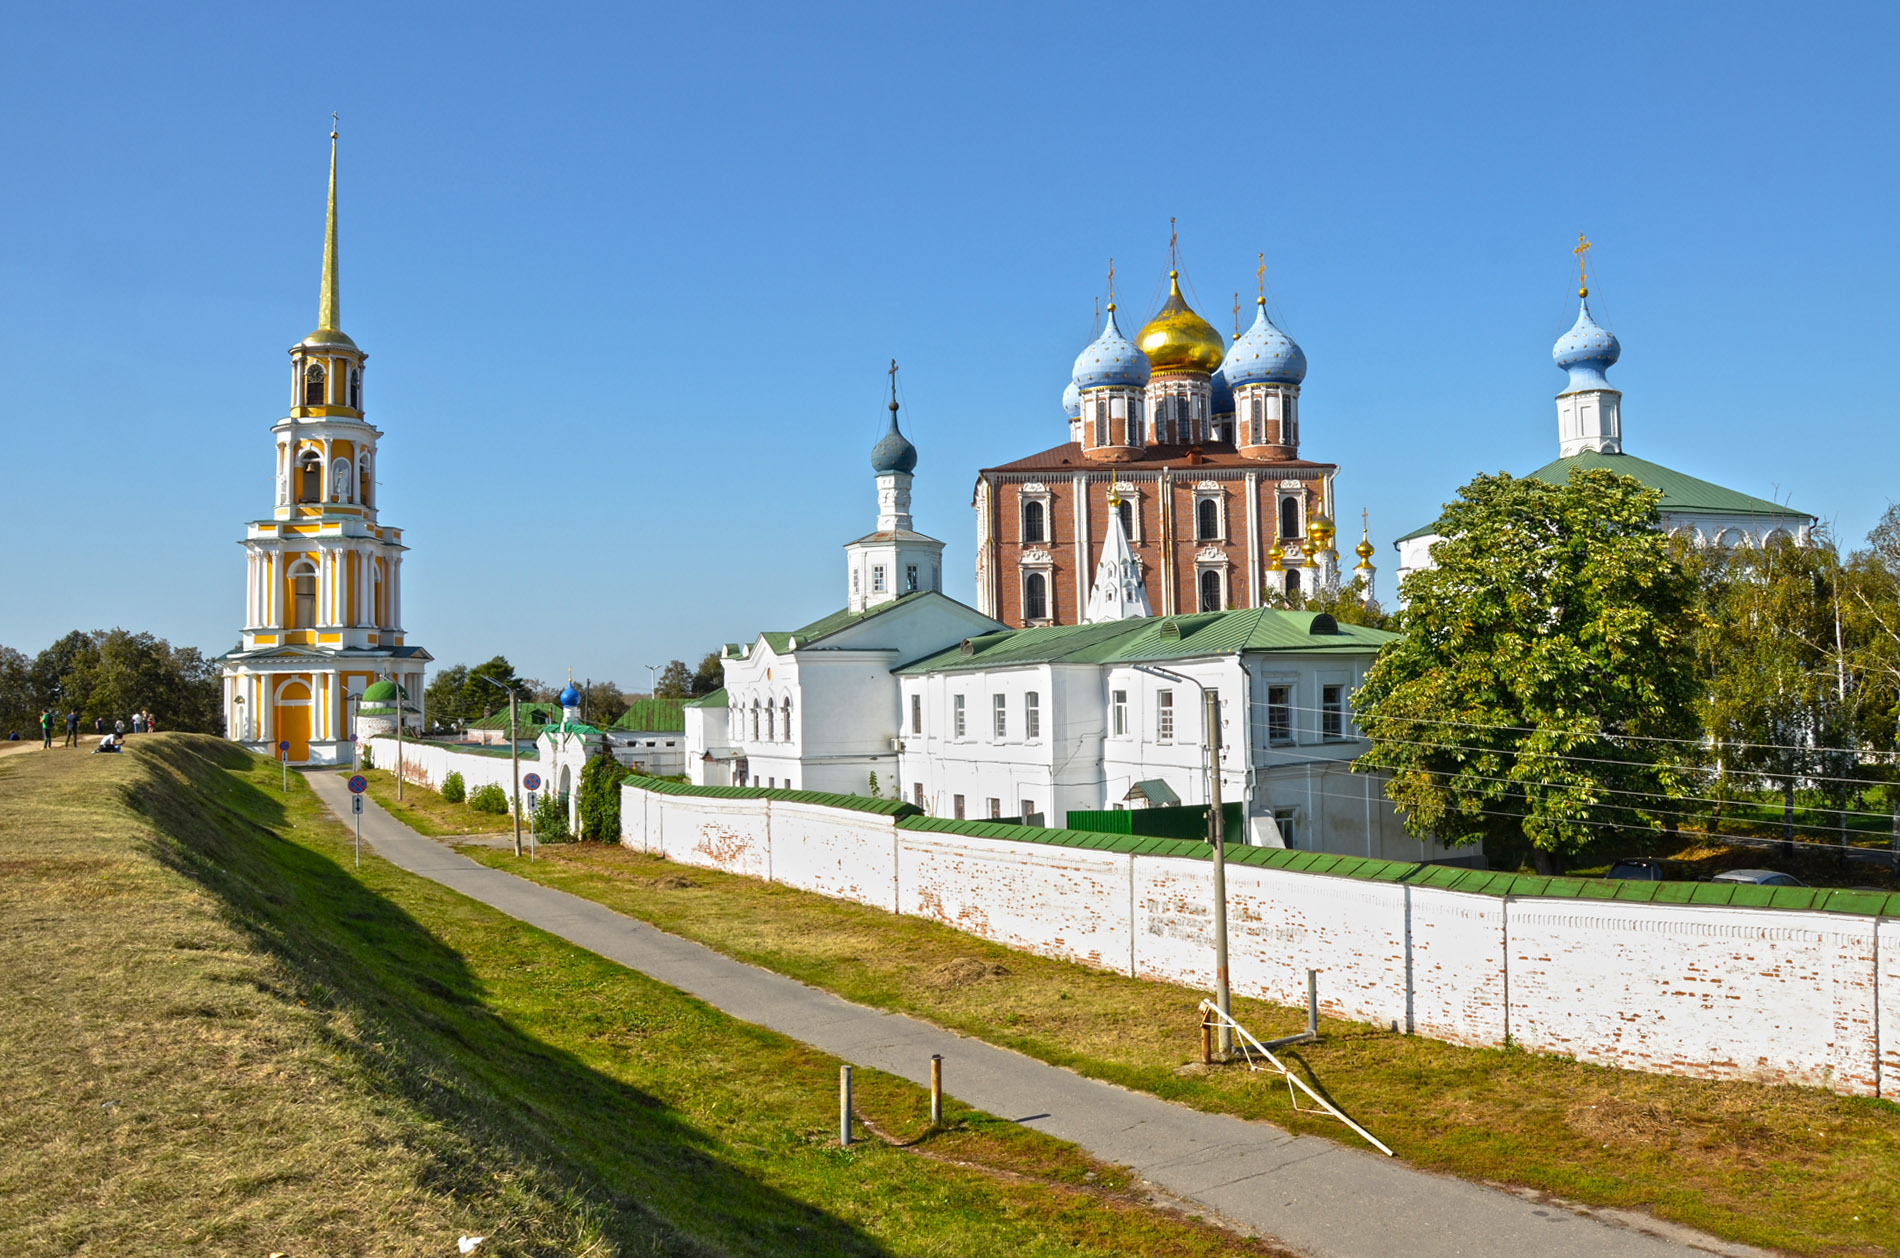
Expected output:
(629, 277)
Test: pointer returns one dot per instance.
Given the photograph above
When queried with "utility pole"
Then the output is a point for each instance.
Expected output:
(514, 763)
(1217, 835)
(399, 699)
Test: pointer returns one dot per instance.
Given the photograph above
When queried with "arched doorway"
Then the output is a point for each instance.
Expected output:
(291, 715)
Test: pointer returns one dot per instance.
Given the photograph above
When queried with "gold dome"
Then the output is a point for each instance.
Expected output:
(1275, 553)
(1177, 339)
(1321, 529)
(1364, 550)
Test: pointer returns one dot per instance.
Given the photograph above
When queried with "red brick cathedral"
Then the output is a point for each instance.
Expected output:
(1196, 447)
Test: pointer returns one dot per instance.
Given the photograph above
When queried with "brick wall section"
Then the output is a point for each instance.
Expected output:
(1705, 991)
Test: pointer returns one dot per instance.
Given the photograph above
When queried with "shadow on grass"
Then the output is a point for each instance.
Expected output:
(600, 1150)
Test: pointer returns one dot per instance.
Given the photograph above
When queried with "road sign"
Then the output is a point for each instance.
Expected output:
(283, 746)
(530, 801)
(356, 803)
(532, 782)
(358, 784)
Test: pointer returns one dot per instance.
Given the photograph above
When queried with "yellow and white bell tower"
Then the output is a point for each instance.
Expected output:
(323, 610)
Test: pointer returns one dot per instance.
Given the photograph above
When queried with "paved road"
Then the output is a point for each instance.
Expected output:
(1316, 1196)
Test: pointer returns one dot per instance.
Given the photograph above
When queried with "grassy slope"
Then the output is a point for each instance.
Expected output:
(1790, 1167)
(215, 1034)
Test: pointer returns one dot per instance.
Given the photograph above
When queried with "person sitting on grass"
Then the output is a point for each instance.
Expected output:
(105, 744)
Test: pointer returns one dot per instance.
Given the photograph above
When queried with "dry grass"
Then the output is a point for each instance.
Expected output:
(216, 1035)
(1794, 1168)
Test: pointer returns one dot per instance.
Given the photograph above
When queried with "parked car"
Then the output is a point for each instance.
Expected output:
(1637, 869)
(1759, 878)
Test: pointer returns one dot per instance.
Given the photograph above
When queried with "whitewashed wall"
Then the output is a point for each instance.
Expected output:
(1706, 991)
(426, 764)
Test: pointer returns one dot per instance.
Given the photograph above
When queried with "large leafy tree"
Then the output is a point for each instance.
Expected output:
(112, 673)
(710, 675)
(1545, 660)
(674, 682)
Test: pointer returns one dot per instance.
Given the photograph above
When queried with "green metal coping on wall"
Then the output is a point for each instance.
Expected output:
(1363, 868)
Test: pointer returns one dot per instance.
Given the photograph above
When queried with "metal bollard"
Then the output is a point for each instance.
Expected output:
(1207, 1041)
(1312, 1003)
(936, 1089)
(844, 1106)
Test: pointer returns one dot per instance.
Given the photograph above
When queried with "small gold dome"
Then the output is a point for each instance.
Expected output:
(1322, 531)
(1364, 550)
(1177, 339)
(1275, 553)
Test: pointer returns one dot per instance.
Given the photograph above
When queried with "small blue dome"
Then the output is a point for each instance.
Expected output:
(1111, 359)
(571, 697)
(1223, 403)
(893, 451)
(1072, 401)
(1264, 355)
(1586, 351)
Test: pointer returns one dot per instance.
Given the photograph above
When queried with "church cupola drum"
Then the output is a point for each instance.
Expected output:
(323, 603)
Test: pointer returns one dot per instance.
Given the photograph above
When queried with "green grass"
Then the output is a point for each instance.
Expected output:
(1794, 1168)
(426, 812)
(216, 1035)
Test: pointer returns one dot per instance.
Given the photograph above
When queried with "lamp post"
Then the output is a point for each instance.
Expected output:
(353, 706)
(514, 752)
(1217, 838)
(399, 699)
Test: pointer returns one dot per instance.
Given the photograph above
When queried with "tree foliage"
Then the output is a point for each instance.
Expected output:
(601, 777)
(1552, 640)
(454, 788)
(675, 682)
(459, 694)
(710, 675)
(110, 674)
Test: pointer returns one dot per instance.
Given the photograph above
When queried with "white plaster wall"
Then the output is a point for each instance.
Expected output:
(426, 764)
(1887, 1001)
(725, 834)
(850, 855)
(1457, 981)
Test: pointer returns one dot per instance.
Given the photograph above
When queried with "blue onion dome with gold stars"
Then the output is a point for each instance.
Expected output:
(1177, 339)
(1264, 354)
(1110, 358)
(893, 451)
(1072, 401)
(1586, 351)
(571, 697)
(1223, 399)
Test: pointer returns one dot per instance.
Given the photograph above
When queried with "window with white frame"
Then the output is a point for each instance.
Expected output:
(1289, 517)
(916, 714)
(1207, 519)
(996, 809)
(956, 716)
(1286, 821)
(999, 717)
(877, 578)
(1118, 711)
(956, 806)
(1279, 714)
(1332, 713)
(917, 793)
(1029, 810)
(1035, 596)
(770, 728)
(785, 717)
(755, 718)
(1035, 521)
(1032, 715)
(910, 578)
(1210, 590)
(1164, 716)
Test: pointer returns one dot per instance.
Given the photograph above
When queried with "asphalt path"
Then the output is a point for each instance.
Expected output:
(1316, 1196)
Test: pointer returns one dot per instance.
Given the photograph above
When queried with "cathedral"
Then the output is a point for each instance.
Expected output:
(323, 601)
(1182, 468)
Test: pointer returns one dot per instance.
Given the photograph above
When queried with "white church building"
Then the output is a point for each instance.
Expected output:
(911, 694)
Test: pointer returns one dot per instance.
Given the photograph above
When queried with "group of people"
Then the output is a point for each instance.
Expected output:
(109, 739)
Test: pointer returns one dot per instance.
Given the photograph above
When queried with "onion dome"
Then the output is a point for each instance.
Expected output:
(1177, 339)
(1072, 401)
(1110, 358)
(571, 697)
(1364, 550)
(1586, 351)
(1320, 530)
(1264, 354)
(1223, 399)
(893, 451)
(380, 692)
(1276, 553)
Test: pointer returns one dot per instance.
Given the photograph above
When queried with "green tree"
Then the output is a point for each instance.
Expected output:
(481, 698)
(17, 695)
(710, 675)
(602, 703)
(600, 798)
(443, 696)
(1348, 606)
(675, 682)
(1547, 646)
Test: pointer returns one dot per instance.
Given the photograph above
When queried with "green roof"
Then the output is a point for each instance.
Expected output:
(781, 640)
(1155, 638)
(655, 715)
(717, 699)
(1680, 491)
(384, 689)
(531, 714)
(856, 803)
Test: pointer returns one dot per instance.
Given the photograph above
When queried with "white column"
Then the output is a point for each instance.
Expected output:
(1084, 574)
(1253, 538)
(395, 592)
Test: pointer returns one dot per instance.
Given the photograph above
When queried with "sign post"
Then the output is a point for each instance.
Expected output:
(533, 783)
(357, 785)
(283, 758)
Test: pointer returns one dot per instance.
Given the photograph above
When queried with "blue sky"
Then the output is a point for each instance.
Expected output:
(629, 277)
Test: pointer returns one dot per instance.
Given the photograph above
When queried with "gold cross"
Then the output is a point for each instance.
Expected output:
(333, 124)
(893, 374)
(1111, 283)
(1583, 247)
(1236, 316)
(1174, 261)
(1260, 273)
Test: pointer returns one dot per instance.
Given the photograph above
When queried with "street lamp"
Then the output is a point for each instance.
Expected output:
(514, 752)
(1217, 838)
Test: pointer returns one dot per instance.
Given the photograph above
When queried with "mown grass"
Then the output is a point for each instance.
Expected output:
(216, 1035)
(426, 812)
(1794, 1168)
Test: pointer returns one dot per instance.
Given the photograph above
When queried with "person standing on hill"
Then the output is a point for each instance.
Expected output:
(46, 729)
(72, 728)
(151, 726)
(138, 722)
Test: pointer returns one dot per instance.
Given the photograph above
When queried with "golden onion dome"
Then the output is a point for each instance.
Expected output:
(1177, 339)
(1321, 529)
(1275, 553)
(1364, 550)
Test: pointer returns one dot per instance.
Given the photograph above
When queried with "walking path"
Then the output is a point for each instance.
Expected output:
(1311, 1194)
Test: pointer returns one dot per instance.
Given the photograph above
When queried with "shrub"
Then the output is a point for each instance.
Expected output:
(453, 788)
(550, 819)
(600, 798)
(490, 798)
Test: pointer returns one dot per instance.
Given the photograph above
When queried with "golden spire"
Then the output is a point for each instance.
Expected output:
(329, 317)
(1111, 286)
(1260, 274)
(1365, 548)
(1236, 316)
(1583, 247)
(1174, 257)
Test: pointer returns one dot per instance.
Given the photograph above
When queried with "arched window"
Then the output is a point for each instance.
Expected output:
(376, 592)
(340, 480)
(313, 385)
(303, 595)
(1032, 522)
(363, 480)
(771, 732)
(310, 467)
(1135, 424)
(1035, 597)
(356, 388)
(1210, 590)
(755, 719)
(785, 717)
(1127, 510)
(1292, 581)
(1289, 517)
(1207, 519)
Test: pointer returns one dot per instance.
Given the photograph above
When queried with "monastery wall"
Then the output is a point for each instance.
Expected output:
(426, 764)
(1706, 991)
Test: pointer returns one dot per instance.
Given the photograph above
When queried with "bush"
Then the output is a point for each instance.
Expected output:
(454, 789)
(600, 798)
(490, 798)
(550, 820)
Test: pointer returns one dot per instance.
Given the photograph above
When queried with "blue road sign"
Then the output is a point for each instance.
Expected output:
(532, 781)
(358, 784)
(283, 746)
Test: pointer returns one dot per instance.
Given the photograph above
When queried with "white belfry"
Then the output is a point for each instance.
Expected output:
(1119, 592)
